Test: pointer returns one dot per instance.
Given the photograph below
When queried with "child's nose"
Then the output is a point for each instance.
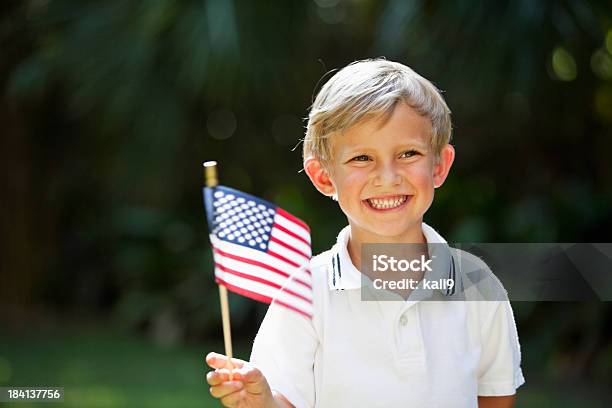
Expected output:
(387, 175)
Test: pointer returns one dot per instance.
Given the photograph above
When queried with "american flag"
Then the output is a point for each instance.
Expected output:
(260, 250)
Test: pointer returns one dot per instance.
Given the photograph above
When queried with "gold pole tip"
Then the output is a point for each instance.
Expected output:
(210, 173)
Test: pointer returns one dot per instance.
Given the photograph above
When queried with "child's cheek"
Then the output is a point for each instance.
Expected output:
(421, 177)
(352, 181)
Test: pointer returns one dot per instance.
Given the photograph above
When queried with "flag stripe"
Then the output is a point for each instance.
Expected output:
(244, 292)
(289, 247)
(292, 218)
(250, 261)
(290, 225)
(263, 274)
(260, 280)
(291, 241)
(287, 231)
(267, 292)
(270, 268)
(281, 257)
(279, 262)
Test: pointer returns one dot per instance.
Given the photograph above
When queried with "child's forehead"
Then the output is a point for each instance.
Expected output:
(403, 127)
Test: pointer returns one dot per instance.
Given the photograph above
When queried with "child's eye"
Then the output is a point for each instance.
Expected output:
(362, 157)
(410, 153)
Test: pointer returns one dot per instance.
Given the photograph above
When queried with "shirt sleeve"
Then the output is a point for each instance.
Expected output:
(284, 350)
(499, 369)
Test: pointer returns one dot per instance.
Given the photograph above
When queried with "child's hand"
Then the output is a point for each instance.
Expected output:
(248, 388)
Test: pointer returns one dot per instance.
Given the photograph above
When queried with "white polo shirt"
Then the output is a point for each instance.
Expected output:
(356, 353)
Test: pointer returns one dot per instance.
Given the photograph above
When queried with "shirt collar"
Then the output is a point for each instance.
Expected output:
(342, 274)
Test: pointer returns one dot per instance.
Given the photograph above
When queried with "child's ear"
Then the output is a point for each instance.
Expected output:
(443, 165)
(319, 176)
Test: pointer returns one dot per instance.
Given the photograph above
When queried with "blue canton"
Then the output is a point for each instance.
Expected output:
(241, 219)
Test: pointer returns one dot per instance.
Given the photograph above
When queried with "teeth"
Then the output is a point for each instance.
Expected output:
(381, 204)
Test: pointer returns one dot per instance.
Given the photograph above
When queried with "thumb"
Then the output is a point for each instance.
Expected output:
(216, 360)
(254, 380)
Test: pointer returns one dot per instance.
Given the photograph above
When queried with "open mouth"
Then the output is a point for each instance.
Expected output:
(387, 203)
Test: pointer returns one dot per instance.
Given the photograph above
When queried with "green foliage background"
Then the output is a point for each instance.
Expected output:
(108, 109)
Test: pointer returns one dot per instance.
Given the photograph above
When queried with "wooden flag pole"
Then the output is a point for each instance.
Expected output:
(211, 180)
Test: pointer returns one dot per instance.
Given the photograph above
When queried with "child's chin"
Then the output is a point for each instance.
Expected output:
(392, 230)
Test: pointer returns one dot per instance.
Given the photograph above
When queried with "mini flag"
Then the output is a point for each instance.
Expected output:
(260, 250)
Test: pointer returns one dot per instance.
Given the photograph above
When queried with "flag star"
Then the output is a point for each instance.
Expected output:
(218, 194)
(262, 246)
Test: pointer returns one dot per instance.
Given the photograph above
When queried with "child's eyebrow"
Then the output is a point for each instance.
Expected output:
(416, 143)
(359, 149)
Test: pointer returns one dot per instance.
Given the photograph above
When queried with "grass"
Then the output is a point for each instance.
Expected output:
(106, 369)
(113, 369)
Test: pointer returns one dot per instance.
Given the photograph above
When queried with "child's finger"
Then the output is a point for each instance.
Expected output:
(214, 378)
(225, 388)
(232, 400)
(249, 374)
(253, 378)
(216, 360)
(220, 375)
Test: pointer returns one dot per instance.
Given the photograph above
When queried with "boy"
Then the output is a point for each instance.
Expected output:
(377, 141)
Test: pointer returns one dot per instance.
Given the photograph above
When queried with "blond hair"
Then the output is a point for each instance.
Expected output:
(367, 89)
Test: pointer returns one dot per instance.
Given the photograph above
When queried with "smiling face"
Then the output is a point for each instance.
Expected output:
(384, 172)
